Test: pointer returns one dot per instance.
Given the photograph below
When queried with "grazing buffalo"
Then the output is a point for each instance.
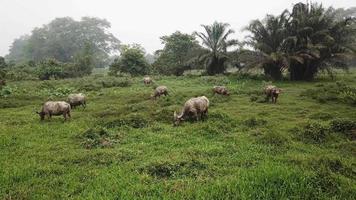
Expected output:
(273, 92)
(77, 100)
(159, 91)
(55, 108)
(195, 107)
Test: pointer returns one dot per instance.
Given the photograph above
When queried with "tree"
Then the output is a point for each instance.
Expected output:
(3, 67)
(215, 40)
(64, 38)
(19, 50)
(50, 68)
(132, 60)
(267, 38)
(177, 52)
(305, 41)
(84, 61)
(319, 39)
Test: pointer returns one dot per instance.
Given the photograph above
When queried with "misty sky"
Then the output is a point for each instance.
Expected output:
(140, 21)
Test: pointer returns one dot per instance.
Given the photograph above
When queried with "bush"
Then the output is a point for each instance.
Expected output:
(216, 80)
(321, 116)
(97, 137)
(109, 82)
(274, 138)
(6, 91)
(342, 125)
(49, 90)
(22, 72)
(166, 169)
(313, 132)
(132, 61)
(339, 92)
(345, 126)
(132, 120)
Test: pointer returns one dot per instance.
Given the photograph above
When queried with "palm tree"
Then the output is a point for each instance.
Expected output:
(320, 40)
(305, 41)
(267, 39)
(215, 40)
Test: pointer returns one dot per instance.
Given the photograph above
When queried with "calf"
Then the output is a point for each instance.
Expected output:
(147, 80)
(159, 91)
(273, 92)
(77, 100)
(221, 90)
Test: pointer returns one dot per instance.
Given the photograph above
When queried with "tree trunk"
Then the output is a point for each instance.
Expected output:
(273, 71)
(216, 66)
(303, 72)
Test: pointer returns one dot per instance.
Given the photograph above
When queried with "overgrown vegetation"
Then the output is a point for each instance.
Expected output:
(338, 92)
(124, 145)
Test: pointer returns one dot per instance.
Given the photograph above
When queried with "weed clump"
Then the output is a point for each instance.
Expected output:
(274, 138)
(109, 82)
(97, 83)
(345, 126)
(6, 91)
(132, 120)
(321, 116)
(313, 132)
(332, 164)
(166, 170)
(338, 92)
(98, 137)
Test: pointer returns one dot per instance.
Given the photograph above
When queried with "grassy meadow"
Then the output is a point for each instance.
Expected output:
(124, 146)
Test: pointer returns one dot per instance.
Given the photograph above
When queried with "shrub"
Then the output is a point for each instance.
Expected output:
(132, 120)
(345, 126)
(6, 91)
(349, 96)
(321, 116)
(97, 137)
(50, 91)
(174, 169)
(339, 92)
(342, 125)
(274, 138)
(313, 132)
(132, 61)
(109, 82)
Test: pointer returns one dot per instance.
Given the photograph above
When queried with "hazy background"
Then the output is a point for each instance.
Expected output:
(135, 21)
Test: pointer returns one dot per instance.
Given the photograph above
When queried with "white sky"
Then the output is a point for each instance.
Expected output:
(140, 21)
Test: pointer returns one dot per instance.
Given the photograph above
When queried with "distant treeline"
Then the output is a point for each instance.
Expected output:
(297, 44)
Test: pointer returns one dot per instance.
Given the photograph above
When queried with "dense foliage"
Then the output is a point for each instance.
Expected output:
(64, 39)
(299, 43)
(177, 54)
(306, 40)
(215, 40)
(3, 67)
(123, 145)
(132, 60)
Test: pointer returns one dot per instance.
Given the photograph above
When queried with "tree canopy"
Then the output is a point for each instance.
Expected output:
(215, 40)
(132, 60)
(64, 38)
(305, 40)
(177, 53)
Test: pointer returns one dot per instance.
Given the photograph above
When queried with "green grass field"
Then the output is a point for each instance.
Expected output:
(123, 145)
